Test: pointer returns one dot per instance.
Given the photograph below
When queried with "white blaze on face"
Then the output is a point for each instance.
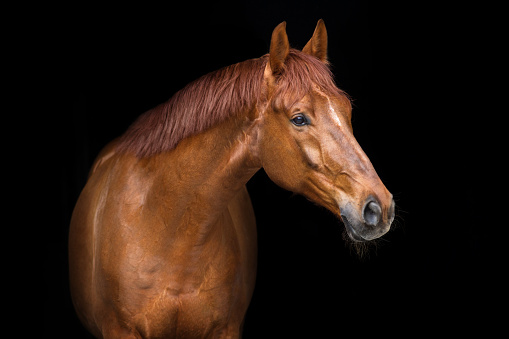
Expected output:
(334, 114)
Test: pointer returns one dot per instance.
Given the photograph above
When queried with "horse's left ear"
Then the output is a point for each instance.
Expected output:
(317, 45)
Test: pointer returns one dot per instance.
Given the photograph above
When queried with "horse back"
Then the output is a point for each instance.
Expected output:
(83, 245)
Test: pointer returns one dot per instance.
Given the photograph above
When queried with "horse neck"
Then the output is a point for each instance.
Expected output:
(204, 172)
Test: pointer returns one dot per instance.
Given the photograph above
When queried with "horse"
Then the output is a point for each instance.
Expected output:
(163, 241)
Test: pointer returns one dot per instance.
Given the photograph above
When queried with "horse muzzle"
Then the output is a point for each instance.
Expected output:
(369, 223)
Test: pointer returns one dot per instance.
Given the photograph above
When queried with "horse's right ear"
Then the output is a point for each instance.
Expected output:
(279, 48)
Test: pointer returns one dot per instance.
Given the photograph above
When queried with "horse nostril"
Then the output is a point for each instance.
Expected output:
(372, 213)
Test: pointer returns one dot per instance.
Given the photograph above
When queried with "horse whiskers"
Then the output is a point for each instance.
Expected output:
(361, 249)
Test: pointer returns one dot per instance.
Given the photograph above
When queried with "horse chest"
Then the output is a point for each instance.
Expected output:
(194, 305)
(195, 293)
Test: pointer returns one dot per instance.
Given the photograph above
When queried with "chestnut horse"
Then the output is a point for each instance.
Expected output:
(162, 239)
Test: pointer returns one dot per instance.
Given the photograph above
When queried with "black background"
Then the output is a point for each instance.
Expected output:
(415, 73)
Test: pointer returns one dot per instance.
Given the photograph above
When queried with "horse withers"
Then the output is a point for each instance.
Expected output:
(162, 240)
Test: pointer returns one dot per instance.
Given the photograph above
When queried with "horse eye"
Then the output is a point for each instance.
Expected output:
(300, 120)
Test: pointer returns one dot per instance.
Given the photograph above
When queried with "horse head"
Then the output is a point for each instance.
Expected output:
(307, 142)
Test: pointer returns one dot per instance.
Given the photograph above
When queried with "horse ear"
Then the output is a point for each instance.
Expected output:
(317, 45)
(279, 48)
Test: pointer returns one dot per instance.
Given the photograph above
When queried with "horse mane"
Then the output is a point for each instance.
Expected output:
(218, 95)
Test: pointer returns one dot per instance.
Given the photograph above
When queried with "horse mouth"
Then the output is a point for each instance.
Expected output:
(352, 233)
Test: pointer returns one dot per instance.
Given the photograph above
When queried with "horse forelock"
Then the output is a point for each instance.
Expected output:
(301, 72)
